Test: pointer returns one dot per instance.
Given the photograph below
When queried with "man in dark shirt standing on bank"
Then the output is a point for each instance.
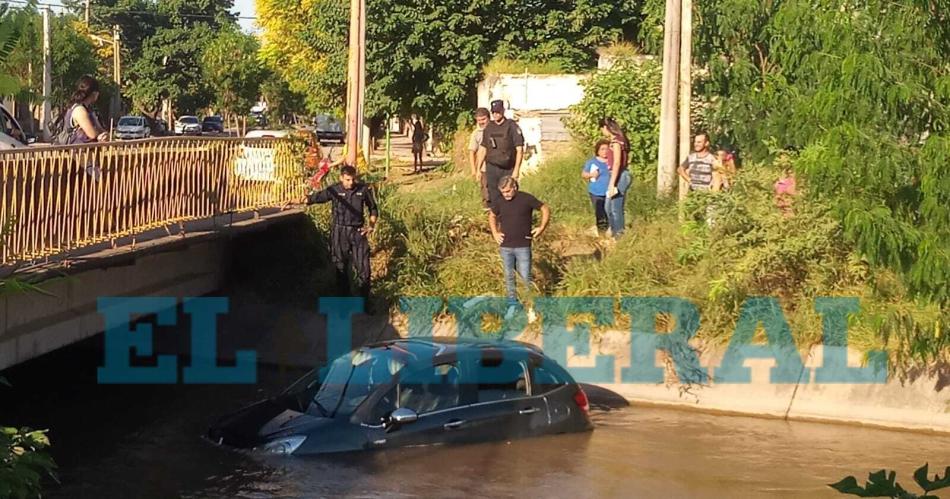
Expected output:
(510, 221)
(348, 242)
(502, 149)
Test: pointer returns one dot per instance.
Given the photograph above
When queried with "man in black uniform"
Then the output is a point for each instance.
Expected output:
(348, 242)
(501, 150)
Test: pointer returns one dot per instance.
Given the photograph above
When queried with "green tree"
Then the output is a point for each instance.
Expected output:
(232, 71)
(862, 90)
(167, 65)
(427, 57)
(73, 55)
(629, 93)
(281, 101)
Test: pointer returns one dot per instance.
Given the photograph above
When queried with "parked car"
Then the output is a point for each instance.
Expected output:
(12, 135)
(132, 127)
(409, 392)
(329, 129)
(213, 124)
(188, 125)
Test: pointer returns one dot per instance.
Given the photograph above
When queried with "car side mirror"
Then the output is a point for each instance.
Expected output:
(403, 416)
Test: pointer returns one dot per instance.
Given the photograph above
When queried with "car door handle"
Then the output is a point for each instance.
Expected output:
(451, 425)
(529, 410)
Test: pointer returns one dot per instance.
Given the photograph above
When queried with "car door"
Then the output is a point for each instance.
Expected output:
(434, 394)
(503, 409)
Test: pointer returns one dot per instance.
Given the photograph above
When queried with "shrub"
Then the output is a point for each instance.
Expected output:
(630, 93)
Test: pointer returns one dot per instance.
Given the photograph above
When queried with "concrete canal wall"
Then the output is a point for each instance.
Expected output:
(922, 404)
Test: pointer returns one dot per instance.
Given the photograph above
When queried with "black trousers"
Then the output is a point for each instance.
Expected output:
(350, 248)
(600, 212)
(492, 175)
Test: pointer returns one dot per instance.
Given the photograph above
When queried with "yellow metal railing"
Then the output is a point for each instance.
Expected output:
(56, 199)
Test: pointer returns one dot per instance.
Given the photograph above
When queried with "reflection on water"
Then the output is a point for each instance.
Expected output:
(144, 442)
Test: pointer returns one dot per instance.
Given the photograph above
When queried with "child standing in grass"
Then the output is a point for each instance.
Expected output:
(597, 175)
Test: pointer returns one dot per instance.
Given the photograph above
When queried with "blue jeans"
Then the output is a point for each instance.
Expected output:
(614, 205)
(519, 258)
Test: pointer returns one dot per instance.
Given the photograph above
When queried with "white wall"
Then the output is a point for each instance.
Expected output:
(532, 92)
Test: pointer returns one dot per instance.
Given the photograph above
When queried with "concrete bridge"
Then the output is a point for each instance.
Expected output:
(145, 218)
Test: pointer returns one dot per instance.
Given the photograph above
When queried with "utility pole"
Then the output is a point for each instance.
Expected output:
(666, 157)
(686, 86)
(354, 118)
(47, 76)
(87, 13)
(116, 70)
(364, 138)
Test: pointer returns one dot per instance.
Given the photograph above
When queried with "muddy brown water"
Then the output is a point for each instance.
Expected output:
(144, 442)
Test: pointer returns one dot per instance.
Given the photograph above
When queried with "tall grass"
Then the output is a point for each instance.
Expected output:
(434, 241)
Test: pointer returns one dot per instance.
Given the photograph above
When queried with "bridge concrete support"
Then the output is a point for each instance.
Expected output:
(193, 264)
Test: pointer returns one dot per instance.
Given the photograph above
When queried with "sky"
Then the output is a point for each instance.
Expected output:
(245, 8)
(241, 7)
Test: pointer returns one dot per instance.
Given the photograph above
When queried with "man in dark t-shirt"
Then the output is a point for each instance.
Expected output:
(510, 221)
(501, 150)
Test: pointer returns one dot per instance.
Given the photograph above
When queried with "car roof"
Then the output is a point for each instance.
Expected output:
(449, 346)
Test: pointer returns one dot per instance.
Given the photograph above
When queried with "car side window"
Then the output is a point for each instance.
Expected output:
(430, 389)
(544, 381)
(502, 381)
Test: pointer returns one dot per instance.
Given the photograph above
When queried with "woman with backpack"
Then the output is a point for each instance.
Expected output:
(80, 124)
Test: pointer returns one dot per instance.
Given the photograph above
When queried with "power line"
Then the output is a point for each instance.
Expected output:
(140, 12)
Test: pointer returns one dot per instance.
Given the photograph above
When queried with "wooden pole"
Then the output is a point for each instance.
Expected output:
(117, 68)
(47, 77)
(353, 79)
(666, 157)
(686, 87)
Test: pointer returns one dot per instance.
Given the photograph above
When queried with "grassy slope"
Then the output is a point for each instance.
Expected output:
(434, 242)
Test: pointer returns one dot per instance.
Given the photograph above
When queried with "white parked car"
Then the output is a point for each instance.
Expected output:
(132, 127)
(12, 135)
(188, 125)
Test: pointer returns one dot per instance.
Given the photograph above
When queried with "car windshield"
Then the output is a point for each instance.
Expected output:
(188, 119)
(130, 121)
(353, 377)
(213, 118)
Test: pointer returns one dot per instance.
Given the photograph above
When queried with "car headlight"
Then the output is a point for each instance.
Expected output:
(284, 446)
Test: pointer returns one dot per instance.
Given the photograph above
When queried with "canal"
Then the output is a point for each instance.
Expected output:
(114, 441)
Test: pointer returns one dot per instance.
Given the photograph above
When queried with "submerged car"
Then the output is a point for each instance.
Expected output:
(410, 392)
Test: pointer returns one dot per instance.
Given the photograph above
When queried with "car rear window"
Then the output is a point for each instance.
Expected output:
(545, 380)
